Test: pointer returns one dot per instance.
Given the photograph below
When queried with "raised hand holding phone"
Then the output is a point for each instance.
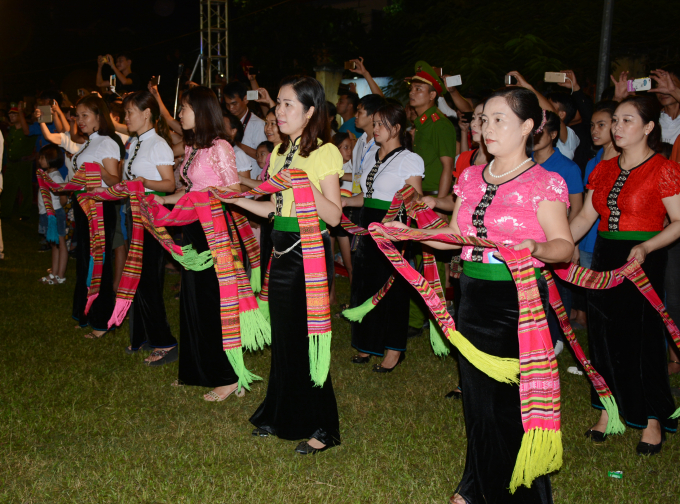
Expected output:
(359, 67)
(263, 97)
(620, 86)
(521, 81)
(570, 81)
(664, 82)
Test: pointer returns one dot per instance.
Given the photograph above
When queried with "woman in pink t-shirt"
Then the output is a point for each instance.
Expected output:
(514, 201)
(208, 161)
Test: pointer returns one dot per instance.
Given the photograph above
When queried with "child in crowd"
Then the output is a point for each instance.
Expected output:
(51, 159)
(262, 155)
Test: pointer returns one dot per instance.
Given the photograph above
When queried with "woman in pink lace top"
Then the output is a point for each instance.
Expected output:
(514, 201)
(211, 167)
(512, 215)
(208, 161)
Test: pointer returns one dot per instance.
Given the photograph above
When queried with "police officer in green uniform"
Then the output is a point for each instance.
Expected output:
(435, 138)
(435, 142)
(17, 168)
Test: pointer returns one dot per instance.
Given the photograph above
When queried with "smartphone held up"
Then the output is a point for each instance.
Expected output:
(555, 77)
(45, 114)
(453, 81)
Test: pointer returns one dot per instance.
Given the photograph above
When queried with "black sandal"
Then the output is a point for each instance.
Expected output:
(166, 355)
(143, 348)
(343, 307)
(93, 336)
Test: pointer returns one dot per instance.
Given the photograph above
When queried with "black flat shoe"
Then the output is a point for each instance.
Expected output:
(650, 449)
(379, 368)
(358, 359)
(596, 436)
(167, 355)
(260, 432)
(454, 394)
(304, 448)
(143, 348)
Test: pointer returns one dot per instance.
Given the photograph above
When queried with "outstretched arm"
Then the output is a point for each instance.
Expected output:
(542, 101)
(173, 124)
(361, 70)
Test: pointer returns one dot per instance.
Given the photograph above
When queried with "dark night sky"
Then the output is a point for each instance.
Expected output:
(55, 41)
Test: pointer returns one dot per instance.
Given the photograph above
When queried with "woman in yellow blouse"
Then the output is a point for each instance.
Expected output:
(294, 408)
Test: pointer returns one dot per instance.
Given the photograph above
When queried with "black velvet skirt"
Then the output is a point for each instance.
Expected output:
(488, 315)
(202, 360)
(627, 339)
(672, 281)
(266, 228)
(294, 408)
(148, 320)
(102, 307)
(386, 326)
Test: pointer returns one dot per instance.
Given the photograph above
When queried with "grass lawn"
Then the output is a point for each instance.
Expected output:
(83, 422)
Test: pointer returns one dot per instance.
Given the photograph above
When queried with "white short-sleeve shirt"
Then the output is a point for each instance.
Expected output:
(153, 152)
(99, 148)
(243, 161)
(670, 128)
(57, 179)
(253, 135)
(347, 184)
(569, 147)
(363, 156)
(392, 174)
(71, 147)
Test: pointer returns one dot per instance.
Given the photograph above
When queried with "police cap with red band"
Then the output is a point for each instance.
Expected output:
(425, 73)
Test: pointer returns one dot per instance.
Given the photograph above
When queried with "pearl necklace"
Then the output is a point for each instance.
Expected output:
(507, 173)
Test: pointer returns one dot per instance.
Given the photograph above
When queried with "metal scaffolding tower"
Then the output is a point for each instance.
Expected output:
(214, 42)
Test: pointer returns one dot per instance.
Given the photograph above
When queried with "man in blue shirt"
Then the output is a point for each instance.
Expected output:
(553, 160)
(347, 105)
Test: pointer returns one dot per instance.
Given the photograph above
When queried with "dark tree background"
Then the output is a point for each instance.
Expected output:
(47, 43)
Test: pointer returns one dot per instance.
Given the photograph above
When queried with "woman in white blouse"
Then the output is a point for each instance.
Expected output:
(234, 128)
(105, 148)
(382, 331)
(149, 159)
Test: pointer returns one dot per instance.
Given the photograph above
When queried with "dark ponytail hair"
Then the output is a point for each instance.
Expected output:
(234, 123)
(98, 107)
(209, 125)
(649, 109)
(309, 93)
(145, 100)
(552, 125)
(394, 115)
(606, 106)
(524, 104)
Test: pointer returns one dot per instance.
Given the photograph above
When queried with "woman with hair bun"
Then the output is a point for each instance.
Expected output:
(104, 147)
(208, 161)
(632, 193)
(295, 406)
(516, 202)
(150, 161)
(383, 331)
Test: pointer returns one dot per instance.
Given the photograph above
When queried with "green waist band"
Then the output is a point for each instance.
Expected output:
(291, 224)
(628, 235)
(494, 272)
(377, 203)
(159, 193)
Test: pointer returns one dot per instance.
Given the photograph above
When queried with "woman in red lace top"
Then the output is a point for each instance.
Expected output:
(632, 193)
